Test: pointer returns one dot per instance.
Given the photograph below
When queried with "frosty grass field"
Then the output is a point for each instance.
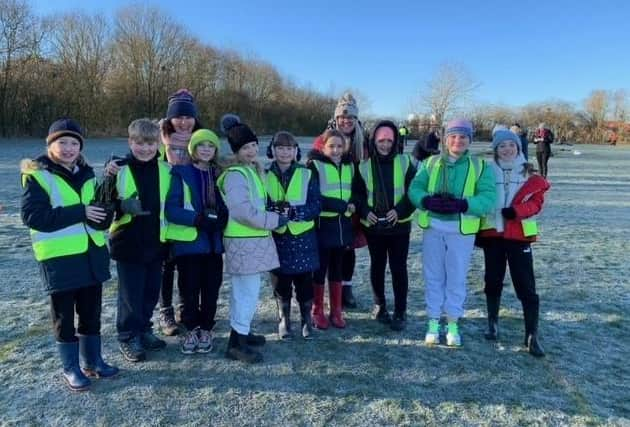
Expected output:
(365, 374)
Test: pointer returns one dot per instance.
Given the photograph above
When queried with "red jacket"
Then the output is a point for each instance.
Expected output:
(527, 202)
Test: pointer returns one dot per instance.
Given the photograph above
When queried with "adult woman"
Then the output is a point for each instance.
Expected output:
(73, 259)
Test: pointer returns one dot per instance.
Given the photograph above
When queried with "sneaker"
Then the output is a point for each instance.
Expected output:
(132, 350)
(380, 314)
(433, 332)
(190, 342)
(151, 342)
(205, 341)
(399, 321)
(453, 339)
(167, 322)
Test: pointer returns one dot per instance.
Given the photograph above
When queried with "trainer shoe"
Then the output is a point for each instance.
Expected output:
(453, 339)
(190, 342)
(433, 332)
(132, 350)
(167, 322)
(204, 344)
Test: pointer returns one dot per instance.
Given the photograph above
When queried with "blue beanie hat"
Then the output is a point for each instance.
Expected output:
(181, 103)
(502, 135)
(460, 126)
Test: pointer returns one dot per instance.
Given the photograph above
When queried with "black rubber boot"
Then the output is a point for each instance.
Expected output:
(238, 349)
(255, 340)
(493, 303)
(530, 313)
(91, 358)
(72, 375)
(284, 325)
(380, 314)
(347, 298)
(399, 321)
(307, 322)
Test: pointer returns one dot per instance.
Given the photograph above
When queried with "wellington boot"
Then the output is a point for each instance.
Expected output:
(307, 321)
(319, 319)
(284, 325)
(336, 313)
(72, 375)
(93, 363)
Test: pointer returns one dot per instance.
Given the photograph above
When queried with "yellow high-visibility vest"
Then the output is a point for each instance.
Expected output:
(179, 232)
(258, 197)
(401, 165)
(71, 240)
(334, 182)
(468, 224)
(296, 194)
(126, 187)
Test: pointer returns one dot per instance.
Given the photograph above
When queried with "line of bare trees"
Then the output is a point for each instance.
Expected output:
(105, 73)
(602, 118)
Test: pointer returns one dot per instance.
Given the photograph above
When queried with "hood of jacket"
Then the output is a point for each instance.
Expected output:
(372, 144)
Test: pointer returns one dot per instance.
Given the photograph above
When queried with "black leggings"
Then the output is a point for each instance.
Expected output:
(542, 157)
(303, 283)
(347, 268)
(87, 304)
(330, 261)
(395, 248)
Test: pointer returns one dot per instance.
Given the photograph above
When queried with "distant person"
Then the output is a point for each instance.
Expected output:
(403, 132)
(507, 232)
(543, 138)
(57, 207)
(522, 134)
(386, 215)
(453, 190)
(426, 147)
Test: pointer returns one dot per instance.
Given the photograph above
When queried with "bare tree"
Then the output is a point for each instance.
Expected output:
(450, 88)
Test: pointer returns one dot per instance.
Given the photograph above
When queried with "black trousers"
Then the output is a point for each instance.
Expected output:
(168, 279)
(542, 157)
(200, 279)
(498, 253)
(138, 293)
(87, 304)
(394, 248)
(331, 262)
(303, 283)
(347, 268)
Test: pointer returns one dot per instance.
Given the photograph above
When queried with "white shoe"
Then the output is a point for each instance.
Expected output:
(432, 336)
(453, 339)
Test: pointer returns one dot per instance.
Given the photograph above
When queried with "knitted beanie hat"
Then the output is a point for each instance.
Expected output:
(181, 103)
(347, 106)
(460, 126)
(64, 127)
(238, 134)
(505, 135)
(203, 135)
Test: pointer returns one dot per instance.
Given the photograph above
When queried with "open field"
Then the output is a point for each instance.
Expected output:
(365, 374)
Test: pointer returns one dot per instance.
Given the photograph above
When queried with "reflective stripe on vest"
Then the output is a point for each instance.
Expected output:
(296, 195)
(126, 188)
(258, 197)
(71, 240)
(334, 182)
(179, 232)
(401, 165)
(468, 224)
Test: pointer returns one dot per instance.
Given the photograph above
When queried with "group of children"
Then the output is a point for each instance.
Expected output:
(185, 209)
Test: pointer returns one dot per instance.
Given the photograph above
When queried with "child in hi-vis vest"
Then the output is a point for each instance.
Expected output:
(69, 245)
(196, 217)
(293, 191)
(507, 232)
(452, 190)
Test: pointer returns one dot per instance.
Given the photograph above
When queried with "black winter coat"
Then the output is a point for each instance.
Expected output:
(72, 271)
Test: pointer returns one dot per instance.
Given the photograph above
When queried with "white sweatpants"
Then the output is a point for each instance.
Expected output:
(243, 301)
(445, 262)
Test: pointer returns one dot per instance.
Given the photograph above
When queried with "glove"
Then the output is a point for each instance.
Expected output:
(204, 223)
(133, 206)
(508, 213)
(444, 204)
(296, 213)
(461, 205)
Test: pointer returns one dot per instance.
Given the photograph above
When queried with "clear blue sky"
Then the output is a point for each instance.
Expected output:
(520, 51)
